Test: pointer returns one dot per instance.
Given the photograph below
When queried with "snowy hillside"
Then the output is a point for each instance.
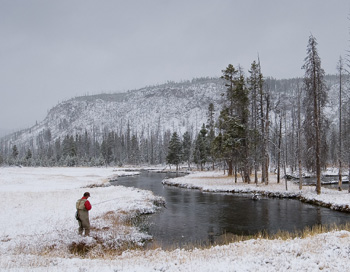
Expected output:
(174, 106)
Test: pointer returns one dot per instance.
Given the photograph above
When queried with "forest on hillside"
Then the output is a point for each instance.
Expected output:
(261, 125)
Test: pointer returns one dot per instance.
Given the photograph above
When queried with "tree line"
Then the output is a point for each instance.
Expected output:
(262, 125)
(263, 128)
(86, 150)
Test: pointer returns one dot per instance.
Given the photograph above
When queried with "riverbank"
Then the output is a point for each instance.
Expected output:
(38, 207)
(216, 181)
(38, 231)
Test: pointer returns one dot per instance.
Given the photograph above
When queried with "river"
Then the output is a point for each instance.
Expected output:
(192, 217)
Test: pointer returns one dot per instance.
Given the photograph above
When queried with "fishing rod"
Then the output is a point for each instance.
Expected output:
(106, 201)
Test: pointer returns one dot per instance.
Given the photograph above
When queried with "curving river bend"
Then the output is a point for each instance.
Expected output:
(195, 217)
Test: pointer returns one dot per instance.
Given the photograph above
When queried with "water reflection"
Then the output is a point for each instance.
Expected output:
(192, 216)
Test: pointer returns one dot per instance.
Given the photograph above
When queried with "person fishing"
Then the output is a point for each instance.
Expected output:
(83, 207)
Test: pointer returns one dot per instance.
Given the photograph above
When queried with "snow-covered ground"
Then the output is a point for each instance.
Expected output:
(217, 182)
(38, 229)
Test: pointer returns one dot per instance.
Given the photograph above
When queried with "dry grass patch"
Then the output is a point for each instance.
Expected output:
(5, 239)
(228, 238)
(215, 177)
(80, 248)
(111, 239)
(306, 232)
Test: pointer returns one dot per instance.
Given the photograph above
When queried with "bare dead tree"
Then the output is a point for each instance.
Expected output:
(340, 68)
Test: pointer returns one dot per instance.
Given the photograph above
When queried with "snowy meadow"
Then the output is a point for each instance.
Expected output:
(38, 231)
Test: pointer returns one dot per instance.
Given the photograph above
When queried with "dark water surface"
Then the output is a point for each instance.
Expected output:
(195, 217)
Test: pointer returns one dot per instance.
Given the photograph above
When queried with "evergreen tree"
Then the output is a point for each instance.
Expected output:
(227, 143)
(201, 149)
(106, 149)
(255, 136)
(187, 148)
(233, 123)
(68, 146)
(134, 150)
(128, 142)
(174, 151)
(315, 99)
(259, 121)
(211, 122)
(15, 152)
(242, 113)
(29, 154)
(226, 119)
(211, 132)
(218, 149)
(58, 150)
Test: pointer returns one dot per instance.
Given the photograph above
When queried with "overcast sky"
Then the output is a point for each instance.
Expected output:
(51, 51)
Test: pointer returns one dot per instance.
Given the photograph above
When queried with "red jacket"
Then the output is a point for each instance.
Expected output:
(87, 204)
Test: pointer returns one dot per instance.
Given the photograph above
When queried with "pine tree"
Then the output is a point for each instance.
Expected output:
(242, 112)
(315, 99)
(187, 148)
(217, 148)
(29, 154)
(106, 149)
(255, 135)
(15, 152)
(58, 150)
(227, 121)
(259, 121)
(69, 147)
(211, 132)
(201, 149)
(128, 142)
(174, 151)
(135, 150)
(233, 122)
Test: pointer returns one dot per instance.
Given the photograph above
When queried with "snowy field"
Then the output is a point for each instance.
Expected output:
(38, 230)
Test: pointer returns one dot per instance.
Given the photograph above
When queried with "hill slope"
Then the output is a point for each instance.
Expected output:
(175, 106)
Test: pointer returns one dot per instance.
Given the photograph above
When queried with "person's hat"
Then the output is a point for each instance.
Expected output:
(86, 194)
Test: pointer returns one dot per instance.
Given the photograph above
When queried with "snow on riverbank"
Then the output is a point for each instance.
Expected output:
(38, 206)
(324, 252)
(217, 182)
(37, 226)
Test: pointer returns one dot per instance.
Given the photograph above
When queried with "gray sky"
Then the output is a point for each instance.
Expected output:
(51, 51)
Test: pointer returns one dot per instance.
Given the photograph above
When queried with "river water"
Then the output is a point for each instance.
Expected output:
(192, 217)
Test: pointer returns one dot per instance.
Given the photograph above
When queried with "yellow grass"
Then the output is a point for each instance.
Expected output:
(228, 238)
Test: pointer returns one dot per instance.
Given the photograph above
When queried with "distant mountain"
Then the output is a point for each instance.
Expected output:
(174, 106)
